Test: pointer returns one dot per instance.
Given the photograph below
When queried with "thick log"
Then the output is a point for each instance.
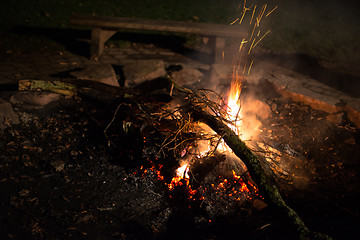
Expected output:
(266, 186)
(52, 86)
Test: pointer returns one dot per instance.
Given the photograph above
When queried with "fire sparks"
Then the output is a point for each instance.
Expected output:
(256, 15)
(271, 11)
(245, 129)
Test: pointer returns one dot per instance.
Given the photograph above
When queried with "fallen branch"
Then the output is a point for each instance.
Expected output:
(71, 86)
(52, 86)
(267, 188)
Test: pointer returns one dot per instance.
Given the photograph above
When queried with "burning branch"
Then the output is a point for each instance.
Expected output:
(266, 186)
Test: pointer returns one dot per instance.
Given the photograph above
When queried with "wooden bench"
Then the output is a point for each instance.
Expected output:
(104, 28)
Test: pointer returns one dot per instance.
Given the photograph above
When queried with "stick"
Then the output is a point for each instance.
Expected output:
(71, 86)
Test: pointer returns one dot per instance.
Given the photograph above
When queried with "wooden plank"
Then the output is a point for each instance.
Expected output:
(219, 49)
(115, 23)
(98, 38)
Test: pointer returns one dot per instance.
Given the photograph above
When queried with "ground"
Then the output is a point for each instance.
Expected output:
(61, 180)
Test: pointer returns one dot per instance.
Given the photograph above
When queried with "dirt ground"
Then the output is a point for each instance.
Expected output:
(60, 180)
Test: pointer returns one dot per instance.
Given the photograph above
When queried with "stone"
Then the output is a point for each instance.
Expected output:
(7, 115)
(259, 204)
(34, 100)
(187, 76)
(58, 165)
(350, 141)
(103, 73)
(28, 117)
(307, 90)
(143, 70)
(335, 118)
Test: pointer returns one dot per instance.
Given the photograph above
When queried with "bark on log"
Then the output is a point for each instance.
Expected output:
(266, 186)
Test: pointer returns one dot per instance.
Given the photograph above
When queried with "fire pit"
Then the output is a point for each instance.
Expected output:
(163, 161)
(147, 183)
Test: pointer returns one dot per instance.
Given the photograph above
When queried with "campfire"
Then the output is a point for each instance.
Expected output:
(232, 152)
(242, 119)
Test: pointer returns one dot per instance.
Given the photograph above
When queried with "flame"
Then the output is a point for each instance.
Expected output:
(234, 106)
(181, 174)
(182, 171)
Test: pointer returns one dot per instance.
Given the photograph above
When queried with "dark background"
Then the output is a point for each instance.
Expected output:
(325, 30)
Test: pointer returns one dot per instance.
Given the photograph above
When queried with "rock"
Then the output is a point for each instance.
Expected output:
(34, 100)
(335, 118)
(103, 73)
(85, 218)
(273, 107)
(58, 165)
(259, 205)
(24, 193)
(28, 117)
(303, 88)
(350, 141)
(187, 76)
(7, 115)
(143, 70)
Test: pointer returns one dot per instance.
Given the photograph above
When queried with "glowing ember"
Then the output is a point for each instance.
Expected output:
(181, 178)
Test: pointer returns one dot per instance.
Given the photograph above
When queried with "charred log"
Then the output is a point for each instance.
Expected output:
(200, 169)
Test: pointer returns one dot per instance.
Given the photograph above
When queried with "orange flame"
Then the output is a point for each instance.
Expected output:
(181, 174)
(234, 106)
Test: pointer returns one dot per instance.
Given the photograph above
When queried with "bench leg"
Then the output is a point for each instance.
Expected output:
(98, 38)
(219, 49)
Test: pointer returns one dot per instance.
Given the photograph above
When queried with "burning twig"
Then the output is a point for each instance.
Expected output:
(271, 11)
(234, 21)
(261, 38)
(111, 122)
(250, 66)
(252, 16)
